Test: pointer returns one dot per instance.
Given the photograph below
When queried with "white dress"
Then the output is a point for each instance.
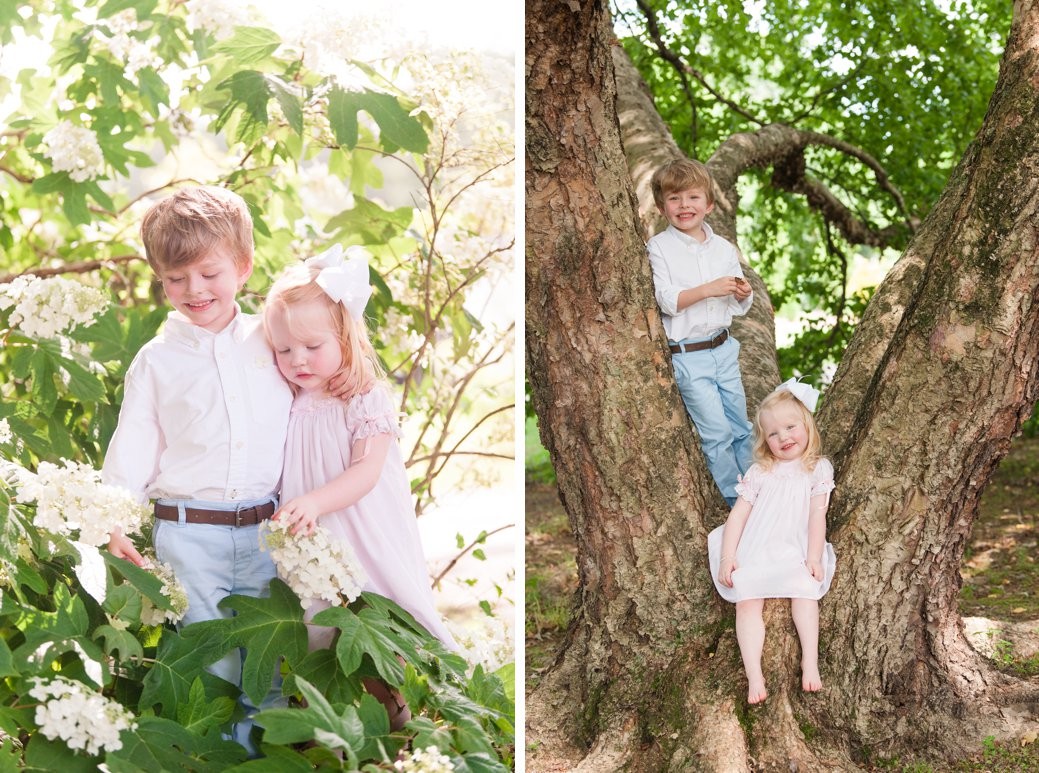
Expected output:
(381, 527)
(773, 548)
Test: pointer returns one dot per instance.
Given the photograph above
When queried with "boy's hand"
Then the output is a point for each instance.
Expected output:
(743, 289)
(337, 386)
(722, 286)
(301, 513)
(121, 547)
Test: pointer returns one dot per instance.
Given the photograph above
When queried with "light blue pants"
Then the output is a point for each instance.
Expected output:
(212, 563)
(712, 390)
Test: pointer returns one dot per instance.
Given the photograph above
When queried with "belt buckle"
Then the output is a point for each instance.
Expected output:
(238, 515)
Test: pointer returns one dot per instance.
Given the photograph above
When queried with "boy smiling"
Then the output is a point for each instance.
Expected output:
(699, 287)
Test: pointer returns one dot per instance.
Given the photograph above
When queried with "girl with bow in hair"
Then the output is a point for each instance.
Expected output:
(343, 465)
(773, 544)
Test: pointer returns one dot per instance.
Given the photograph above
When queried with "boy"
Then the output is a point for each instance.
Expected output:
(202, 426)
(699, 287)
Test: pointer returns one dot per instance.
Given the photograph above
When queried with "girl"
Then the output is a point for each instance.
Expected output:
(342, 462)
(773, 544)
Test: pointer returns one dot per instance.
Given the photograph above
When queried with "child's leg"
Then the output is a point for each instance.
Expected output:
(695, 375)
(806, 619)
(734, 402)
(750, 633)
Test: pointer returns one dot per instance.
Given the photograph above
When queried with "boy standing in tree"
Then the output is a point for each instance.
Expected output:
(202, 426)
(699, 287)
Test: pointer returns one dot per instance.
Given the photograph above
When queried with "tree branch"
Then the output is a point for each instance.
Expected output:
(478, 541)
(82, 267)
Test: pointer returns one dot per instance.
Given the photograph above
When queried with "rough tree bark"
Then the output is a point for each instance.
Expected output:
(938, 378)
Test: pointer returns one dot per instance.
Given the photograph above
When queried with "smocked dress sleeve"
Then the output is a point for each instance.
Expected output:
(822, 477)
(750, 484)
(372, 413)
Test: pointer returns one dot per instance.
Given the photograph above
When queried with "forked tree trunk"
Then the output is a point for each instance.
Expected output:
(938, 378)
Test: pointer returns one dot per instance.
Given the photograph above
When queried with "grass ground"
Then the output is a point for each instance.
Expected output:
(1000, 582)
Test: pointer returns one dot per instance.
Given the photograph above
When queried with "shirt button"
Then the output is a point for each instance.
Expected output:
(239, 444)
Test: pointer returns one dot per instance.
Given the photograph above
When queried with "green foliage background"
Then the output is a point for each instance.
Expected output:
(319, 157)
(905, 82)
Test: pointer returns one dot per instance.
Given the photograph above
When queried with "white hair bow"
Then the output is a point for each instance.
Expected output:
(806, 393)
(344, 277)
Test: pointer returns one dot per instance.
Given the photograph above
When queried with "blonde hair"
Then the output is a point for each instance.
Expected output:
(813, 449)
(361, 368)
(183, 227)
(679, 175)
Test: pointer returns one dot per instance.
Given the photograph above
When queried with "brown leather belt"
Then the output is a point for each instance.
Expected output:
(246, 516)
(714, 343)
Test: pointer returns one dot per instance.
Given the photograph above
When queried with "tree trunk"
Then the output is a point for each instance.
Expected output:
(937, 380)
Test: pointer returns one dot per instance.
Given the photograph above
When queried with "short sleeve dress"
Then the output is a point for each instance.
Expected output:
(381, 527)
(773, 548)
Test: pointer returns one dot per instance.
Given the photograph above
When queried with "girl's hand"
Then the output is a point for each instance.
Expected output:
(725, 569)
(301, 513)
(815, 568)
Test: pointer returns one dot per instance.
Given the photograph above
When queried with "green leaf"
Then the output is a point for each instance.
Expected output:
(398, 129)
(46, 756)
(249, 94)
(199, 715)
(162, 744)
(54, 182)
(84, 385)
(140, 579)
(249, 45)
(119, 641)
(339, 729)
(365, 633)
(321, 669)
(74, 205)
(153, 89)
(290, 100)
(179, 661)
(7, 667)
(371, 223)
(269, 629)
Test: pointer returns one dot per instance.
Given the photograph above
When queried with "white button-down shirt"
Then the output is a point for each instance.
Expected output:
(204, 415)
(680, 262)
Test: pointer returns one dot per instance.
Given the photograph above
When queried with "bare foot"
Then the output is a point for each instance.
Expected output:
(810, 679)
(756, 692)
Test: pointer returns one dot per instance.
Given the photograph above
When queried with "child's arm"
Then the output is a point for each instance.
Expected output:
(132, 458)
(367, 457)
(817, 534)
(731, 539)
(718, 288)
(120, 546)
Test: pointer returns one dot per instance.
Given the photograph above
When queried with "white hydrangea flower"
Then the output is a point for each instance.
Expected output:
(80, 717)
(75, 150)
(217, 16)
(45, 307)
(73, 499)
(315, 566)
(171, 589)
(488, 643)
(428, 760)
(5, 431)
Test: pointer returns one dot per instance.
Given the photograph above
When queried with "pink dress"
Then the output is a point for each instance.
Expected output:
(381, 527)
(773, 548)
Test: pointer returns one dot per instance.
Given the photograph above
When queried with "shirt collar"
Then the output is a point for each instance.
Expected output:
(179, 328)
(687, 239)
